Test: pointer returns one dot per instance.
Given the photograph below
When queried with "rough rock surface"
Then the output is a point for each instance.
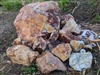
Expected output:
(77, 45)
(67, 36)
(38, 19)
(82, 60)
(71, 26)
(87, 34)
(20, 54)
(62, 51)
(47, 63)
(65, 18)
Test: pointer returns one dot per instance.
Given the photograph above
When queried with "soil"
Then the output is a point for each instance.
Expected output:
(8, 34)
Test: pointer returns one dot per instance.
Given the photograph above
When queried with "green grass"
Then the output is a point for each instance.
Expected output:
(66, 5)
(30, 70)
(11, 5)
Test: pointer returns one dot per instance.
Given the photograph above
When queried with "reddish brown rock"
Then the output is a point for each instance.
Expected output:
(38, 19)
(47, 63)
(17, 41)
(20, 54)
(62, 51)
(67, 36)
(39, 44)
(53, 44)
(65, 18)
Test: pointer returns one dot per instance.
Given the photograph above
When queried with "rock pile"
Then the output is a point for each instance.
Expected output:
(50, 39)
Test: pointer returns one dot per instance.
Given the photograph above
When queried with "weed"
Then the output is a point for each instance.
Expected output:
(1, 74)
(31, 69)
(11, 4)
(66, 5)
(96, 19)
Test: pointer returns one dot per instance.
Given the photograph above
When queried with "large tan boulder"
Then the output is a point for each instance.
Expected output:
(47, 62)
(20, 54)
(62, 51)
(38, 19)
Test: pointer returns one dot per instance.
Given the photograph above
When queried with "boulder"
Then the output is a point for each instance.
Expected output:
(66, 36)
(47, 62)
(77, 45)
(38, 19)
(21, 54)
(62, 51)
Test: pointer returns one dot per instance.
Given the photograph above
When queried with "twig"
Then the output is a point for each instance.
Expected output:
(98, 46)
(78, 4)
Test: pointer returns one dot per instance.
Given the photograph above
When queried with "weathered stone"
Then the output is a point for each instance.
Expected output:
(90, 46)
(62, 51)
(53, 44)
(20, 54)
(47, 63)
(71, 26)
(65, 18)
(88, 34)
(82, 60)
(39, 43)
(17, 41)
(66, 36)
(38, 19)
(77, 45)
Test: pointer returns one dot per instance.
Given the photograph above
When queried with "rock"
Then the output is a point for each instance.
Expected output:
(62, 51)
(67, 36)
(71, 26)
(39, 43)
(82, 60)
(90, 46)
(20, 54)
(38, 19)
(47, 63)
(17, 41)
(88, 34)
(65, 18)
(99, 36)
(53, 44)
(77, 45)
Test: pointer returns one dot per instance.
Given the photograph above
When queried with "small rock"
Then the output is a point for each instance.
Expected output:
(90, 46)
(17, 41)
(77, 45)
(99, 36)
(62, 51)
(88, 34)
(21, 54)
(65, 18)
(71, 26)
(66, 36)
(82, 60)
(39, 43)
(47, 63)
(53, 44)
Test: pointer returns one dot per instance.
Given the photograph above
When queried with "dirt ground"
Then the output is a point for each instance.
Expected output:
(8, 34)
